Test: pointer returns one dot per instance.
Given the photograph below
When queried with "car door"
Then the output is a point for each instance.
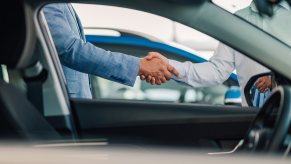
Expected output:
(159, 123)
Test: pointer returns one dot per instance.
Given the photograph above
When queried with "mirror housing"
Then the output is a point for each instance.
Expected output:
(254, 97)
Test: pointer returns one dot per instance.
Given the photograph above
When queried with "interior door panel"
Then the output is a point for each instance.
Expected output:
(159, 123)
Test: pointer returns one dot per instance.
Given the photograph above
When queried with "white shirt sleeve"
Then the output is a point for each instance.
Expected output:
(214, 72)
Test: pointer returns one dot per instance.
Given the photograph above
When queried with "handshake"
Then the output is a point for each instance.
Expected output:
(155, 69)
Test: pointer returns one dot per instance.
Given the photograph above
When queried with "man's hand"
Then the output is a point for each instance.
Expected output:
(152, 55)
(263, 84)
(154, 68)
(153, 80)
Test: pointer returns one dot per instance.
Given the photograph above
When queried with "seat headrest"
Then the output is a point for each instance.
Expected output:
(18, 36)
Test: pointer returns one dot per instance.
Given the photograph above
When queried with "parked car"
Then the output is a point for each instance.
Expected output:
(37, 111)
(137, 45)
(137, 37)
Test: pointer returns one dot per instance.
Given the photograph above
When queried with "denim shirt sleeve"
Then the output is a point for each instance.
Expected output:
(83, 56)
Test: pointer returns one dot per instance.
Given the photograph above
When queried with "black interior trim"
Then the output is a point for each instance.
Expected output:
(111, 118)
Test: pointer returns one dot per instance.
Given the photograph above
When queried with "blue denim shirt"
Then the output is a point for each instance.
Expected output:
(259, 98)
(80, 58)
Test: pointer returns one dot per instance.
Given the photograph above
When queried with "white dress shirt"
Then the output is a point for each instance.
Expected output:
(225, 60)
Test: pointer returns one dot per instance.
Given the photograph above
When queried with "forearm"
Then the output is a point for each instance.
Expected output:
(200, 74)
(87, 58)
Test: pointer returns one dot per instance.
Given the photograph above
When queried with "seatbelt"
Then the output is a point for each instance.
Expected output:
(34, 78)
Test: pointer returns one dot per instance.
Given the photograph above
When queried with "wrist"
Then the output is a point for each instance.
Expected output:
(141, 65)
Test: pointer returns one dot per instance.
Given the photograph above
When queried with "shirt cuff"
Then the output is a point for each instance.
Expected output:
(134, 63)
(179, 67)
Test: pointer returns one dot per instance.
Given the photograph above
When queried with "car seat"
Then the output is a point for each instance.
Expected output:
(19, 119)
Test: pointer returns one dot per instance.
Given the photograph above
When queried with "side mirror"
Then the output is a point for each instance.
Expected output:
(255, 96)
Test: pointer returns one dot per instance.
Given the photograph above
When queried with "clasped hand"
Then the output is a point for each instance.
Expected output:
(263, 84)
(155, 69)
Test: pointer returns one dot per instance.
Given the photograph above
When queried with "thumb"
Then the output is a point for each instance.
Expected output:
(159, 56)
(257, 82)
(149, 56)
(173, 70)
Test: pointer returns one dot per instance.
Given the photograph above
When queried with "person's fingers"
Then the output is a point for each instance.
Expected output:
(163, 79)
(173, 70)
(161, 75)
(153, 81)
(261, 80)
(142, 77)
(157, 55)
(165, 75)
(263, 84)
(158, 82)
(258, 82)
(148, 78)
(262, 88)
(268, 81)
(149, 56)
(168, 75)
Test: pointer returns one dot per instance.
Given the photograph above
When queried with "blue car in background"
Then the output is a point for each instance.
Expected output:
(228, 93)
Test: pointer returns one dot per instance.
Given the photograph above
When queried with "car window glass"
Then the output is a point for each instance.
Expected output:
(172, 39)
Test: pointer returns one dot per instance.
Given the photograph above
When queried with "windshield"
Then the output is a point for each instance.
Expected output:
(277, 25)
